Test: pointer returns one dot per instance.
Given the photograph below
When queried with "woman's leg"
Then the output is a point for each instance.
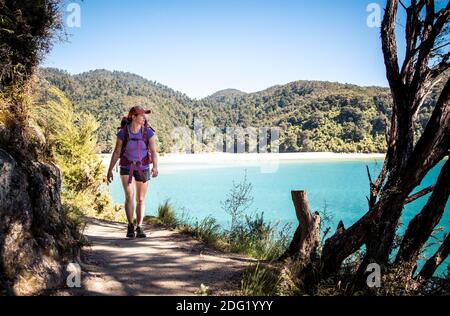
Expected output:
(141, 190)
(129, 198)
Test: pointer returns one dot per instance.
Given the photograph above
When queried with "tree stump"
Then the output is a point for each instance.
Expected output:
(307, 235)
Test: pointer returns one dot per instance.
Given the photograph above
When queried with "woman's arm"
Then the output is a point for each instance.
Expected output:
(152, 150)
(114, 157)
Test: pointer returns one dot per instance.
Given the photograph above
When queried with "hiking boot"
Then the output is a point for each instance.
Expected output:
(130, 231)
(140, 232)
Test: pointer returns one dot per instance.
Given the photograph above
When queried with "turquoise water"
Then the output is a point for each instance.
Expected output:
(198, 189)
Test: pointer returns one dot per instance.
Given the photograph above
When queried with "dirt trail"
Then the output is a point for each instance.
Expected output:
(164, 263)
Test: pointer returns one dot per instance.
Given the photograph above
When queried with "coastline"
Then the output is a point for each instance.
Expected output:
(217, 157)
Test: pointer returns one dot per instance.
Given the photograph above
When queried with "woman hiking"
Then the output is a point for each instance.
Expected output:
(136, 149)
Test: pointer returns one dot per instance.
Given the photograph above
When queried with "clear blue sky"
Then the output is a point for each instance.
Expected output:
(198, 46)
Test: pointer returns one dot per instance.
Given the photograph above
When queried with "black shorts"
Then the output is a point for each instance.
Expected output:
(146, 172)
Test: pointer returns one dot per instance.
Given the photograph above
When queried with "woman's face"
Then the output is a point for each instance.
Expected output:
(139, 119)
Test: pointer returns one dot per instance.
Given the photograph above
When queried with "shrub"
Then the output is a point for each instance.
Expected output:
(70, 144)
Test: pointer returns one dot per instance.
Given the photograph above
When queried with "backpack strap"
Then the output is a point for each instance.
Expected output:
(146, 136)
(126, 138)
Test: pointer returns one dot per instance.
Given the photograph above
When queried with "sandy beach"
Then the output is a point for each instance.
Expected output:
(218, 157)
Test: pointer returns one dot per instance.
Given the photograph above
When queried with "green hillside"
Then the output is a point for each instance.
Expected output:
(108, 96)
(311, 115)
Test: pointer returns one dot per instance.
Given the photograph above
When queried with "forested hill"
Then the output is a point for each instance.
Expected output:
(108, 96)
(312, 115)
(224, 95)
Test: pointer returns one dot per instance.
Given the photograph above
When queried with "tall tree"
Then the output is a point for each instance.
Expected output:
(408, 160)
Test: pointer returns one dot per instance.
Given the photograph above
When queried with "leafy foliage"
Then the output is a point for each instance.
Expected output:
(71, 143)
(26, 31)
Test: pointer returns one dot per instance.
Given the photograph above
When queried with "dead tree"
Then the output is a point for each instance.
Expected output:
(407, 160)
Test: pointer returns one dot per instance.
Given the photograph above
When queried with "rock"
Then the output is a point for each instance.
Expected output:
(37, 240)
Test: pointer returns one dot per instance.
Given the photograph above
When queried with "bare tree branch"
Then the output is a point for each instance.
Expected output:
(440, 47)
(431, 31)
(419, 194)
(389, 44)
(422, 225)
(433, 263)
(433, 145)
(412, 33)
(441, 67)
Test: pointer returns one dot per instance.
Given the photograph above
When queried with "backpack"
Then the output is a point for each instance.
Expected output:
(124, 125)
